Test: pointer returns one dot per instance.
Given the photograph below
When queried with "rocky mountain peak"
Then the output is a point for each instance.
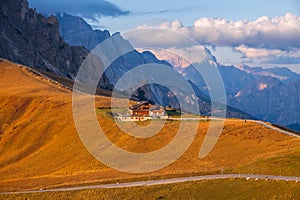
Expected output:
(29, 38)
(77, 32)
(19, 7)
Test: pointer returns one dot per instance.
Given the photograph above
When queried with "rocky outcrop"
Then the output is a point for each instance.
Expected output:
(29, 38)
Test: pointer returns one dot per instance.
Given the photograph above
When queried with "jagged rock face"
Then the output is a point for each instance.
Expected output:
(29, 38)
(77, 32)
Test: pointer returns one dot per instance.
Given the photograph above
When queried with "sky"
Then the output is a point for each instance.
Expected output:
(257, 33)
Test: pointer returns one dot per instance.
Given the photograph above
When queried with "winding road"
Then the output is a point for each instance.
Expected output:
(276, 129)
(163, 181)
(265, 124)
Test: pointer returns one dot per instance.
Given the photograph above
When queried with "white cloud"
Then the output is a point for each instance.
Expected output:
(160, 37)
(250, 52)
(264, 40)
(174, 25)
(280, 32)
(269, 56)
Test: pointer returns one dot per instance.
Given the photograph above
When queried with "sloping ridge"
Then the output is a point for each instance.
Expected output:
(39, 145)
(29, 104)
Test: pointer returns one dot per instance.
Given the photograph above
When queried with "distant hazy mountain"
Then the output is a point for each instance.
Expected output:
(77, 32)
(285, 75)
(181, 59)
(271, 100)
(234, 79)
(272, 96)
(267, 94)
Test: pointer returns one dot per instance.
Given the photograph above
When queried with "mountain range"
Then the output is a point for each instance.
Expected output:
(32, 39)
(269, 94)
(59, 44)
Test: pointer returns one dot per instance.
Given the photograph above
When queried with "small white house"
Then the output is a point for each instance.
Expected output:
(158, 112)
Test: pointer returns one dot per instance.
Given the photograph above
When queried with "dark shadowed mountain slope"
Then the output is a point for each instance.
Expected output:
(29, 38)
(295, 127)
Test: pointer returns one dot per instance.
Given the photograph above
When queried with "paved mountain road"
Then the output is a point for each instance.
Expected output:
(277, 129)
(163, 181)
(265, 124)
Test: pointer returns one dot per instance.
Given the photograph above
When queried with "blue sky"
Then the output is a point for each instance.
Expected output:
(188, 11)
(227, 24)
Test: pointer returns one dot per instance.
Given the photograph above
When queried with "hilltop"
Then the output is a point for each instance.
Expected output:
(40, 148)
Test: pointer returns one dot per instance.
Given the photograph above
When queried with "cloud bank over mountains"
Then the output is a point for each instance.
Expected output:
(264, 39)
(271, 33)
(91, 9)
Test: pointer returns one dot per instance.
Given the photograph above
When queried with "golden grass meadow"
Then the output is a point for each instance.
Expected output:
(40, 148)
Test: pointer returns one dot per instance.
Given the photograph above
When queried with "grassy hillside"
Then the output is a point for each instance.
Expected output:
(40, 148)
